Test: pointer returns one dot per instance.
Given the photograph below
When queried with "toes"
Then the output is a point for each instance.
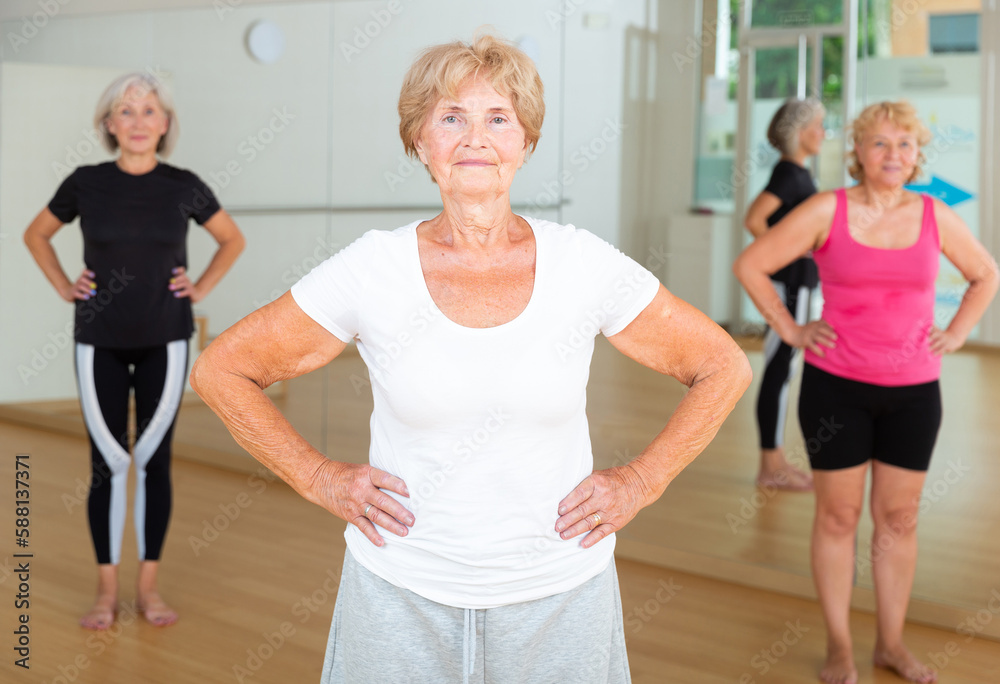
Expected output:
(161, 616)
(96, 621)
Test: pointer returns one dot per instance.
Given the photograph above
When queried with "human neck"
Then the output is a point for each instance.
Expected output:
(483, 222)
(884, 196)
(799, 158)
(137, 164)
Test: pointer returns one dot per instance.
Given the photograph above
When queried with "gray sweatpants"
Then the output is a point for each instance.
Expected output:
(382, 634)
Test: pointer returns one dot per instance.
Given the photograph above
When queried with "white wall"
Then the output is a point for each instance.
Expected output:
(670, 142)
(336, 141)
(597, 119)
(19, 9)
(36, 325)
(990, 108)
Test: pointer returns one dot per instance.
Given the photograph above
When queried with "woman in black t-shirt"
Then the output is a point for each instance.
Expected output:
(133, 319)
(797, 132)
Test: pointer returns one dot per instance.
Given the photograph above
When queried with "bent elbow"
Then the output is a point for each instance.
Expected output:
(736, 366)
(743, 371)
(994, 275)
(740, 268)
(201, 375)
(239, 243)
(987, 279)
(730, 369)
(194, 377)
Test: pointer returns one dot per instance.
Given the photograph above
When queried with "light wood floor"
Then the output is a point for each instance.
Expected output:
(713, 519)
(959, 530)
(275, 566)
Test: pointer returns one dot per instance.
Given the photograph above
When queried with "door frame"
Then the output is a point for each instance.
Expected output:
(805, 38)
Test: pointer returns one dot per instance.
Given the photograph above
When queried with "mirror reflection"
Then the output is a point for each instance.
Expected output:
(301, 150)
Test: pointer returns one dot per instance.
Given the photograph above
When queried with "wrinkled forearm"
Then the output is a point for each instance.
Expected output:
(694, 424)
(256, 424)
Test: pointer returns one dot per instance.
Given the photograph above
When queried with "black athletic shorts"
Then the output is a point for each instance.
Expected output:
(846, 423)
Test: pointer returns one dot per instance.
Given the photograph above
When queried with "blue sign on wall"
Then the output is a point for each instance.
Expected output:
(942, 190)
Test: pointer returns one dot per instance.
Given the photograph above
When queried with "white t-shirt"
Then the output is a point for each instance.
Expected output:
(487, 426)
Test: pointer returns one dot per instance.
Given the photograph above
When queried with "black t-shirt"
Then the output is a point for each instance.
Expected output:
(134, 234)
(792, 184)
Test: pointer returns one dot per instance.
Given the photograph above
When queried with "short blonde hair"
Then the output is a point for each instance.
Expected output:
(900, 113)
(115, 93)
(788, 122)
(440, 70)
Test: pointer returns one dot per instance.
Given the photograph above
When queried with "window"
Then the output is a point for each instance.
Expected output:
(954, 33)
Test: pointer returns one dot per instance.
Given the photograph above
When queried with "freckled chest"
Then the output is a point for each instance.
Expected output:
(479, 297)
(896, 228)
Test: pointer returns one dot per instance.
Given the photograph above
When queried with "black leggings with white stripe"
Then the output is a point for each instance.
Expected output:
(772, 402)
(104, 378)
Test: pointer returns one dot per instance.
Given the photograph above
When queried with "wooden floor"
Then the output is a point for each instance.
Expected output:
(713, 520)
(713, 509)
(253, 571)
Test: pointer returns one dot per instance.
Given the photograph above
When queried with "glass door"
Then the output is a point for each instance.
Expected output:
(789, 53)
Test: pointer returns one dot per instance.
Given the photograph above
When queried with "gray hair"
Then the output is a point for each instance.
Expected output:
(792, 117)
(115, 93)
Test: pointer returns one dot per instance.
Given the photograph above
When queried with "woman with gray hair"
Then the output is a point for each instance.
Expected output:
(480, 539)
(797, 132)
(133, 318)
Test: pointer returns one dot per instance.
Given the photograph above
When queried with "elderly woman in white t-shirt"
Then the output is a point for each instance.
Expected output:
(480, 539)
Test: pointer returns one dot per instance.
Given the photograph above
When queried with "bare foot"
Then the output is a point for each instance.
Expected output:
(155, 610)
(777, 473)
(102, 613)
(789, 479)
(904, 664)
(839, 668)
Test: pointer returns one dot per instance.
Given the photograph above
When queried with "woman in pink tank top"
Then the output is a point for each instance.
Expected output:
(870, 396)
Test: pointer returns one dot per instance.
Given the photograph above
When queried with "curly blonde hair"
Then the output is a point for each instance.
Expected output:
(440, 70)
(900, 113)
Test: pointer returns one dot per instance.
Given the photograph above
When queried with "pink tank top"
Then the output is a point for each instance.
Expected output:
(880, 302)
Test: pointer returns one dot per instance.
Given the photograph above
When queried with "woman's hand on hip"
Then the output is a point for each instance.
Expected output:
(944, 342)
(816, 336)
(84, 288)
(182, 286)
(603, 503)
(354, 492)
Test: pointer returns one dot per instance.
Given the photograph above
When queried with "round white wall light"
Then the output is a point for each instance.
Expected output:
(265, 41)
